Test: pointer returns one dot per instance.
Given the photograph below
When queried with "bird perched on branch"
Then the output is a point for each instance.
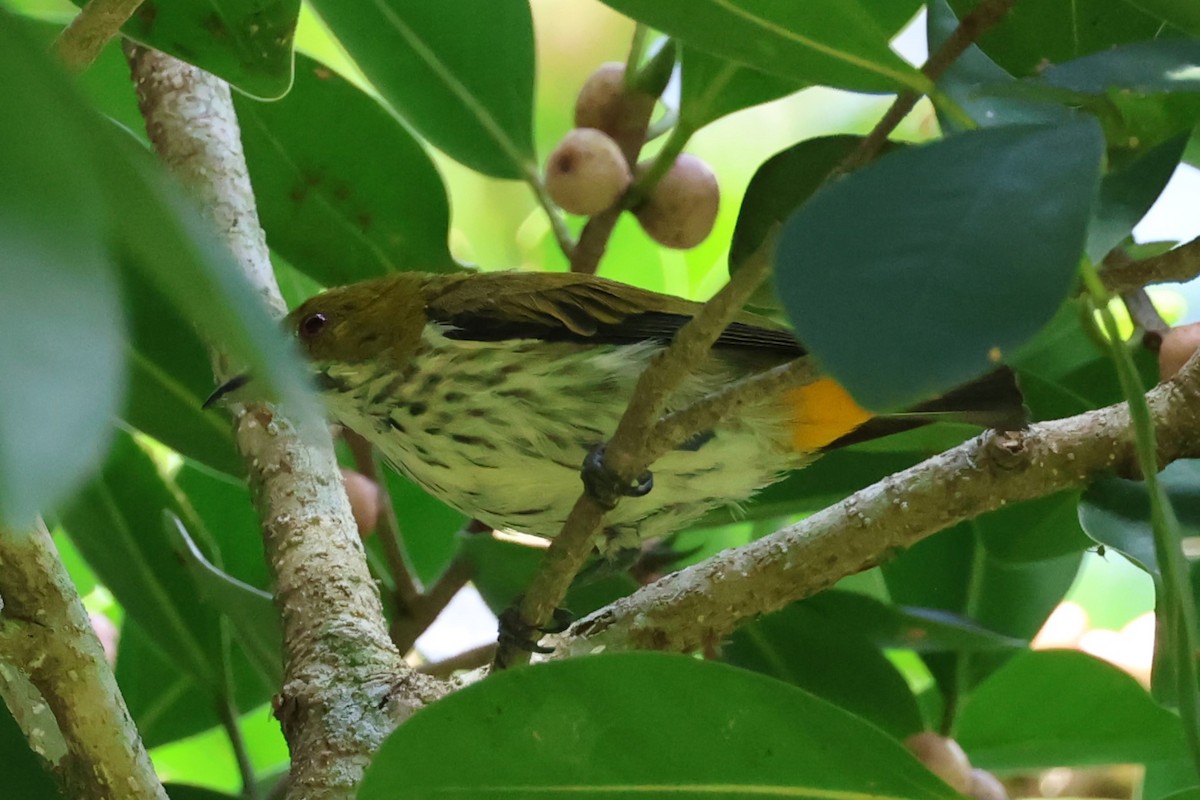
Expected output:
(490, 389)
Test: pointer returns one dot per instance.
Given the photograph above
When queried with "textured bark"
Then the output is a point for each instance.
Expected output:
(698, 606)
(345, 685)
(45, 634)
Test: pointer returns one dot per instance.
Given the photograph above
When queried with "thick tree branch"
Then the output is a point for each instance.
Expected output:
(699, 606)
(45, 633)
(345, 685)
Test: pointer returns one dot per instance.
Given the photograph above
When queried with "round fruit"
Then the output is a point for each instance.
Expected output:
(364, 500)
(943, 757)
(986, 786)
(682, 207)
(1177, 347)
(604, 104)
(586, 173)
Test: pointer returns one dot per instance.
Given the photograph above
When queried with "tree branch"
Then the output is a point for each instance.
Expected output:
(46, 634)
(1121, 273)
(986, 14)
(698, 606)
(96, 24)
(625, 453)
(345, 685)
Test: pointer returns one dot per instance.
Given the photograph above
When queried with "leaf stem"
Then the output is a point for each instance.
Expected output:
(1177, 605)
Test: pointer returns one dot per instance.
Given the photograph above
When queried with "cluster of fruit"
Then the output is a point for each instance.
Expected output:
(588, 172)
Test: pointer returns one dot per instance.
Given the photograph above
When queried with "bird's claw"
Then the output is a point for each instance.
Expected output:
(604, 486)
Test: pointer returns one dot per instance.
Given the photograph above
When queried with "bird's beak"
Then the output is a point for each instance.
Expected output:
(231, 385)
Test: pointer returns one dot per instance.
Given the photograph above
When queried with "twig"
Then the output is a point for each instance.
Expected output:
(679, 426)
(96, 24)
(229, 721)
(700, 605)
(45, 633)
(407, 591)
(339, 662)
(986, 14)
(468, 659)
(1122, 273)
(426, 608)
(1145, 317)
(624, 453)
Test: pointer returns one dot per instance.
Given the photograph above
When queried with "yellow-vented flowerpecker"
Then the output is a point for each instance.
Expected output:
(490, 389)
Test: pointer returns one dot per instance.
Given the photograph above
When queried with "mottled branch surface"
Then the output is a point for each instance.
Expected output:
(345, 685)
(702, 604)
(45, 634)
(1122, 274)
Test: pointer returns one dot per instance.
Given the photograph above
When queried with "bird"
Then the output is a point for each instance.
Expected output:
(489, 390)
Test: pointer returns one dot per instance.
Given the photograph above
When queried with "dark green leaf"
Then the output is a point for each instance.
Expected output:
(116, 522)
(61, 352)
(248, 44)
(532, 731)
(1039, 33)
(161, 234)
(970, 81)
(817, 652)
(831, 42)
(1063, 708)
(427, 525)
(711, 87)
(925, 630)
(251, 610)
(461, 72)
(170, 375)
(350, 198)
(954, 572)
(1127, 193)
(1151, 67)
(1183, 14)
(1116, 512)
(781, 184)
(1034, 530)
(979, 234)
(24, 774)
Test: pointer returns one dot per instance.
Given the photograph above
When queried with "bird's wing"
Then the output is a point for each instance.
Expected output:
(574, 307)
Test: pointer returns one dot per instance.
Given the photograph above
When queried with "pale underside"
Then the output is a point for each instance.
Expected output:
(499, 430)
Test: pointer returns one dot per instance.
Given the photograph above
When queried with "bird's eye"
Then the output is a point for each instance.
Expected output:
(311, 325)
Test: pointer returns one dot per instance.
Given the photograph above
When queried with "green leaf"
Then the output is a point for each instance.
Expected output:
(1163, 66)
(817, 652)
(841, 43)
(1127, 193)
(248, 44)
(1183, 14)
(61, 350)
(1039, 33)
(24, 775)
(533, 732)
(180, 791)
(712, 87)
(1116, 512)
(956, 573)
(428, 526)
(161, 234)
(925, 630)
(971, 80)
(116, 522)
(979, 235)
(1041, 710)
(351, 198)
(170, 375)
(460, 72)
(1034, 530)
(251, 610)
(780, 185)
